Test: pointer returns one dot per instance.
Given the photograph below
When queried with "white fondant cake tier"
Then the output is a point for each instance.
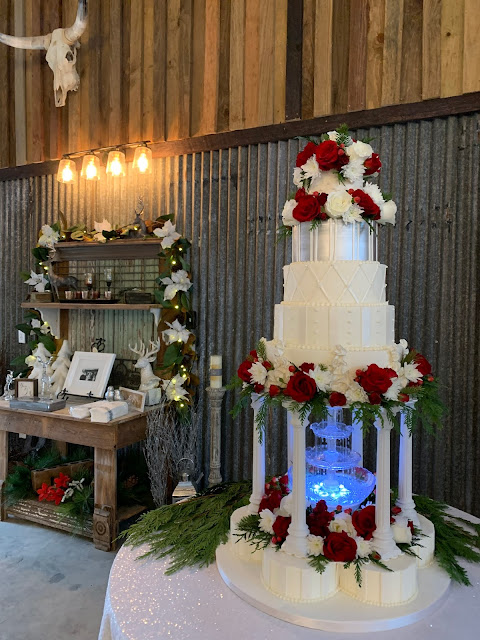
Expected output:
(356, 358)
(333, 240)
(425, 549)
(342, 283)
(381, 587)
(291, 578)
(240, 547)
(325, 326)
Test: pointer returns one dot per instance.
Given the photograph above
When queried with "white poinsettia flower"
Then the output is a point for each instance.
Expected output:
(175, 333)
(48, 236)
(173, 388)
(388, 214)
(410, 372)
(45, 328)
(68, 494)
(30, 361)
(287, 213)
(310, 168)
(178, 282)
(267, 518)
(37, 281)
(354, 214)
(102, 226)
(323, 379)
(374, 192)
(343, 522)
(314, 545)
(168, 233)
(258, 373)
(364, 547)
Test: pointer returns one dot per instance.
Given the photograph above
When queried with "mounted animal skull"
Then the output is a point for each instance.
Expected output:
(61, 46)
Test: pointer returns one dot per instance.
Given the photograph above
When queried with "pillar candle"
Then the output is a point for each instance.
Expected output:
(215, 372)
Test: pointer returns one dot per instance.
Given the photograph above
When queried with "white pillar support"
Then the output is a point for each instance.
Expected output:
(296, 541)
(405, 498)
(289, 440)
(357, 437)
(258, 473)
(383, 541)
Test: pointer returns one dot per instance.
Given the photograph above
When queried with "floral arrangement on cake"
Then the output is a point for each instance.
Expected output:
(313, 388)
(331, 176)
(340, 535)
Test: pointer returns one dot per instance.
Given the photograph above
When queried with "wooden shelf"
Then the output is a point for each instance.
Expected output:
(87, 305)
(111, 250)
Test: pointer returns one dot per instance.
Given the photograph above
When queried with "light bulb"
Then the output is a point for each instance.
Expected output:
(143, 163)
(142, 160)
(67, 174)
(91, 171)
(116, 167)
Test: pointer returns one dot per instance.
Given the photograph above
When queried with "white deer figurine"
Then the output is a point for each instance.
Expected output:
(148, 380)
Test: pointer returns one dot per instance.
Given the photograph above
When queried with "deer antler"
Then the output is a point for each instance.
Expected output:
(140, 352)
(154, 348)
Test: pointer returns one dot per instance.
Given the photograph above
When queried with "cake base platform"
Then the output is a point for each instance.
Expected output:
(339, 613)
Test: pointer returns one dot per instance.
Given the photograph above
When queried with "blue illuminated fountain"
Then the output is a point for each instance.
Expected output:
(333, 473)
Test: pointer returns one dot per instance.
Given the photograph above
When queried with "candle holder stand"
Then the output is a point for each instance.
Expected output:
(215, 396)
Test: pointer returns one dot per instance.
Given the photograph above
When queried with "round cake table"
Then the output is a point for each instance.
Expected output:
(142, 603)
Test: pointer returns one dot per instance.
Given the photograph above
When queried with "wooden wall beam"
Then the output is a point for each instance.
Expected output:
(293, 92)
(436, 108)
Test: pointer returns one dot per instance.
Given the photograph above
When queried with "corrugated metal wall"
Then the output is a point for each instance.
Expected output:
(228, 204)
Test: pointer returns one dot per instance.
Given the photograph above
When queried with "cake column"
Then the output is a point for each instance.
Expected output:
(405, 500)
(289, 440)
(357, 437)
(383, 541)
(258, 473)
(296, 541)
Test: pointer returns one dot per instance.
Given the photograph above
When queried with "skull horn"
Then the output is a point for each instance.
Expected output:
(73, 33)
(19, 42)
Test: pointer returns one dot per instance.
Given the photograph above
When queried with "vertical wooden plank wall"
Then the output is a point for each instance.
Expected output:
(173, 69)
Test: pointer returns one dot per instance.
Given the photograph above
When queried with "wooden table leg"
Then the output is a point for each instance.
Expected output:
(105, 528)
(3, 472)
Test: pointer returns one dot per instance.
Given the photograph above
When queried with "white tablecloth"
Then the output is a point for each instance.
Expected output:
(143, 604)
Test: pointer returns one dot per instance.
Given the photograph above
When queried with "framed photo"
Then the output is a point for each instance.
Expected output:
(134, 398)
(88, 374)
(26, 388)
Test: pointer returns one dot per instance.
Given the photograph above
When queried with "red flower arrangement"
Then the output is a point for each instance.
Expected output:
(301, 387)
(340, 547)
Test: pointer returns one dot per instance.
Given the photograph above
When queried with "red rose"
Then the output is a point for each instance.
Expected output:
(280, 526)
(273, 390)
(329, 157)
(364, 522)
(374, 398)
(411, 526)
(403, 397)
(370, 209)
(375, 379)
(307, 366)
(422, 364)
(258, 387)
(284, 480)
(340, 547)
(254, 354)
(396, 510)
(308, 208)
(306, 154)
(243, 371)
(301, 193)
(268, 365)
(372, 165)
(301, 387)
(337, 399)
(319, 519)
(271, 501)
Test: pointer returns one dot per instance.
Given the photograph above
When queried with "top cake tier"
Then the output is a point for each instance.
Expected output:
(333, 240)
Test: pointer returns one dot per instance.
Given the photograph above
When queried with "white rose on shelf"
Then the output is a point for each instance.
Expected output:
(258, 373)
(374, 192)
(323, 379)
(267, 518)
(285, 509)
(310, 168)
(389, 209)
(401, 533)
(298, 177)
(364, 547)
(360, 150)
(287, 213)
(314, 545)
(338, 203)
(325, 182)
(343, 522)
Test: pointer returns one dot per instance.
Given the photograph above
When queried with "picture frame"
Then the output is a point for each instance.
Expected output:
(134, 398)
(26, 388)
(89, 373)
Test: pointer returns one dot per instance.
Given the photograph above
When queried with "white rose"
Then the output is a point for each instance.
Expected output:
(364, 547)
(286, 505)
(298, 177)
(258, 373)
(401, 533)
(323, 379)
(356, 393)
(314, 545)
(326, 182)
(374, 192)
(343, 522)
(267, 518)
(287, 213)
(389, 209)
(359, 149)
(310, 168)
(338, 203)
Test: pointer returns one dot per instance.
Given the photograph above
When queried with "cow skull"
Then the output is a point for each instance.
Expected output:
(61, 46)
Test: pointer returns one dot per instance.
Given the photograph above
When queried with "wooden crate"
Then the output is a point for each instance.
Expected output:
(39, 476)
(47, 513)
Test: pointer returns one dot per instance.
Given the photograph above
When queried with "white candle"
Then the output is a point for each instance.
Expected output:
(216, 372)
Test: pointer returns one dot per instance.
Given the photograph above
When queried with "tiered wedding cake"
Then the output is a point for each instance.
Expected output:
(334, 349)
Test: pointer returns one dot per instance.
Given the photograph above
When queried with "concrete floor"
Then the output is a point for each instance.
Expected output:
(52, 584)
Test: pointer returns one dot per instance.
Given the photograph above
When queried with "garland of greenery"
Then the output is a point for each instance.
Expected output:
(191, 531)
